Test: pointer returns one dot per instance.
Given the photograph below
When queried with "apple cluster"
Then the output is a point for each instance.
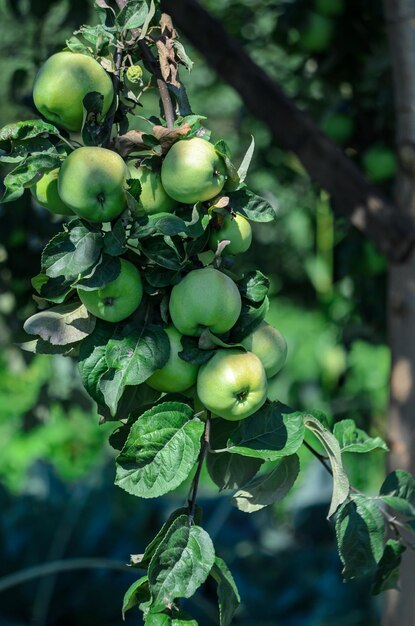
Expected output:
(92, 183)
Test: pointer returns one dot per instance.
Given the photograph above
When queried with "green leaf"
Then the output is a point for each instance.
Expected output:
(253, 207)
(133, 15)
(341, 486)
(39, 346)
(133, 354)
(223, 150)
(398, 492)
(192, 353)
(254, 286)
(115, 239)
(147, 21)
(105, 271)
(137, 593)
(399, 484)
(160, 223)
(163, 252)
(269, 434)
(27, 129)
(182, 55)
(133, 402)
(76, 45)
(94, 132)
(353, 439)
(54, 290)
(251, 316)
(387, 573)
(360, 528)
(144, 562)
(157, 619)
(246, 161)
(27, 174)
(61, 325)
(181, 563)
(228, 595)
(160, 451)
(228, 471)
(162, 619)
(231, 471)
(159, 278)
(72, 252)
(268, 488)
(91, 362)
(183, 620)
(20, 149)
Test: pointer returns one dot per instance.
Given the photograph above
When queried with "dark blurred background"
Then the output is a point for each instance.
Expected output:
(57, 498)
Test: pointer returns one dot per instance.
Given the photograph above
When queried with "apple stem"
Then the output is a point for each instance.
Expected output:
(202, 455)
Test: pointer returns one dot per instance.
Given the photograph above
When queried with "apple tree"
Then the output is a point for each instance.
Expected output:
(139, 287)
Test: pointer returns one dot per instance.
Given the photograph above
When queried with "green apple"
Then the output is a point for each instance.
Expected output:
(330, 8)
(380, 164)
(237, 230)
(318, 33)
(339, 127)
(176, 375)
(232, 384)
(119, 299)
(269, 346)
(205, 298)
(62, 83)
(153, 198)
(45, 192)
(193, 171)
(92, 183)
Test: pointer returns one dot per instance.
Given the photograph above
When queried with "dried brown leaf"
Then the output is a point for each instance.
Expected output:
(168, 136)
(168, 63)
(130, 142)
(167, 28)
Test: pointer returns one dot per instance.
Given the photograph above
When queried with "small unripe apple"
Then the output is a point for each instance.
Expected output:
(193, 171)
(232, 384)
(205, 298)
(92, 182)
(338, 126)
(134, 74)
(45, 192)
(267, 343)
(119, 299)
(176, 375)
(153, 198)
(318, 33)
(237, 230)
(62, 83)
(380, 164)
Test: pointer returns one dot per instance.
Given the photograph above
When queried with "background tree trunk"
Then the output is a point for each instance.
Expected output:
(400, 19)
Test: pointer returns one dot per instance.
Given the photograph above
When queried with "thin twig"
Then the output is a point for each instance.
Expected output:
(319, 457)
(154, 67)
(64, 565)
(202, 455)
(161, 83)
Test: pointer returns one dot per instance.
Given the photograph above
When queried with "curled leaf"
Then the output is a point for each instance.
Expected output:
(62, 324)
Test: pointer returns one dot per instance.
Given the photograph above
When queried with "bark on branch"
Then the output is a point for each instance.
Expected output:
(361, 202)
